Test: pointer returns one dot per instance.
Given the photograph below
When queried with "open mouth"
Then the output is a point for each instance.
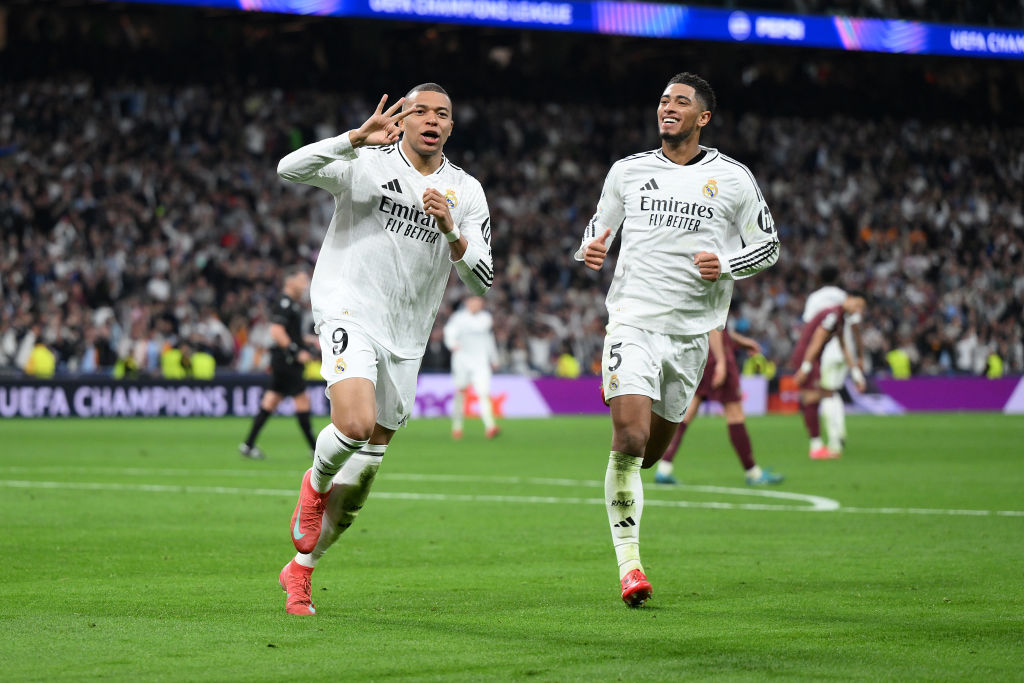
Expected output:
(669, 121)
(430, 137)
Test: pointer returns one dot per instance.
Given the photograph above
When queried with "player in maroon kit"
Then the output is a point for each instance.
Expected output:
(806, 357)
(721, 382)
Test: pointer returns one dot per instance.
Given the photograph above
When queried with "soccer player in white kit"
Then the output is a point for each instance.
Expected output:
(403, 216)
(835, 366)
(469, 335)
(692, 221)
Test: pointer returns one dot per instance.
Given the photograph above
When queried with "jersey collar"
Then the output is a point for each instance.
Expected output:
(401, 154)
(705, 155)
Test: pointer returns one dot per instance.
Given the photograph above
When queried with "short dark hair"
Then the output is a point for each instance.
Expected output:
(829, 275)
(427, 87)
(700, 86)
(292, 271)
(859, 293)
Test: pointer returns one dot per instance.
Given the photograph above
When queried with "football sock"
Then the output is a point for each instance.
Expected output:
(810, 411)
(458, 403)
(673, 446)
(486, 412)
(332, 450)
(665, 468)
(306, 427)
(834, 412)
(754, 472)
(304, 560)
(624, 499)
(351, 487)
(257, 424)
(740, 439)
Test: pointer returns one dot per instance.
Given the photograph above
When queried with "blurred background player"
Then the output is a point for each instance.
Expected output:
(404, 216)
(469, 335)
(692, 220)
(721, 382)
(834, 368)
(288, 358)
(824, 326)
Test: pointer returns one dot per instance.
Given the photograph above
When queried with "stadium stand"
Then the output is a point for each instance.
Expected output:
(140, 207)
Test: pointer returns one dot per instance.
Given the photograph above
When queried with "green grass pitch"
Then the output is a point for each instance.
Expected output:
(149, 550)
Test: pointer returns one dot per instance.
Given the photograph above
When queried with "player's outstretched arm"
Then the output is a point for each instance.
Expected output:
(314, 164)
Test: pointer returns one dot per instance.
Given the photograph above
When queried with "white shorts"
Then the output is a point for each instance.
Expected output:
(665, 367)
(466, 371)
(833, 366)
(348, 352)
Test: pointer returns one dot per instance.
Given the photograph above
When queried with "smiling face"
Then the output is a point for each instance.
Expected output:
(428, 127)
(681, 114)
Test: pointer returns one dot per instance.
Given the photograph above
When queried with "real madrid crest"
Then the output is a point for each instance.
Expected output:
(339, 365)
(613, 382)
(449, 196)
(711, 189)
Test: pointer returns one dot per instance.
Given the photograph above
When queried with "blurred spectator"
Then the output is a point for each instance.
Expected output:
(140, 216)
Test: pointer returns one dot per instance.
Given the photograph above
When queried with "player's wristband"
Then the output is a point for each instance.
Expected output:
(806, 367)
(858, 376)
(454, 235)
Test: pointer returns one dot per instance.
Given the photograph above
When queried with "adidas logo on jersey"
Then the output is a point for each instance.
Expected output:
(393, 186)
(651, 185)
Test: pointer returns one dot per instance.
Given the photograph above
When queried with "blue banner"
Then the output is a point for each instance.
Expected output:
(679, 22)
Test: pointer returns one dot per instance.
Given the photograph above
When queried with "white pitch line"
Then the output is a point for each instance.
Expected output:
(480, 498)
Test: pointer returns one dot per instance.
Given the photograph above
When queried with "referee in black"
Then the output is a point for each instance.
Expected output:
(288, 358)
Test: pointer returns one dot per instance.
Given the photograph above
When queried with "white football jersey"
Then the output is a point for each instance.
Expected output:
(469, 337)
(668, 213)
(830, 296)
(384, 263)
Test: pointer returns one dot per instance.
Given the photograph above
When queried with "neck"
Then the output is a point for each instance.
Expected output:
(681, 152)
(424, 164)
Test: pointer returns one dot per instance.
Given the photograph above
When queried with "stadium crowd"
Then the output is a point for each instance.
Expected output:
(139, 217)
(140, 209)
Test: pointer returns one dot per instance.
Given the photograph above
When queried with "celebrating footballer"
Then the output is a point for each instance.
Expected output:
(692, 222)
(403, 216)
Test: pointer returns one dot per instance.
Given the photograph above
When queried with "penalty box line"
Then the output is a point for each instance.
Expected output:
(484, 498)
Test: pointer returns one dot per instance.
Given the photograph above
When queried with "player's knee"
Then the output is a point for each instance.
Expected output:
(630, 439)
(354, 428)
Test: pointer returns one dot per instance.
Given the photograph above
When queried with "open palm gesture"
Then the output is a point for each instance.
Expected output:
(382, 126)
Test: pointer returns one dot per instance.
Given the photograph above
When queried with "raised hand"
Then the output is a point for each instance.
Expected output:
(382, 126)
(595, 252)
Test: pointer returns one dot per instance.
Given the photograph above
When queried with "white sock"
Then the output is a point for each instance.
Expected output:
(754, 472)
(305, 560)
(351, 487)
(486, 412)
(458, 408)
(834, 412)
(816, 443)
(332, 450)
(665, 468)
(624, 499)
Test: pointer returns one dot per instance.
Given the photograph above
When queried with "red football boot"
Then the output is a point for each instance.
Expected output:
(294, 580)
(636, 589)
(308, 516)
